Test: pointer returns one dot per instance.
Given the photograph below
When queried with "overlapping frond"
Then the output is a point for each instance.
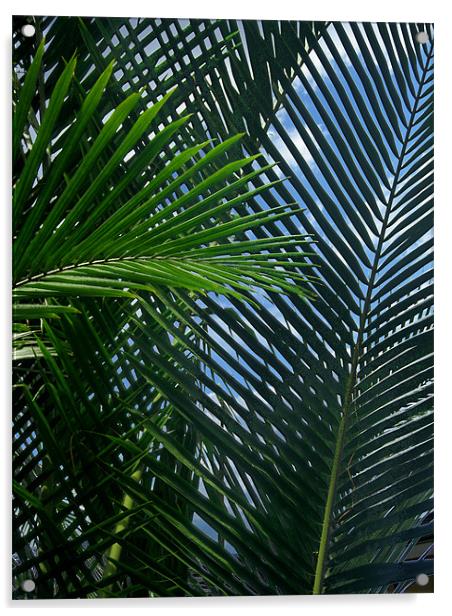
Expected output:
(279, 445)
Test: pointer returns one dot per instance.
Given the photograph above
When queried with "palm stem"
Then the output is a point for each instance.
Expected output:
(114, 553)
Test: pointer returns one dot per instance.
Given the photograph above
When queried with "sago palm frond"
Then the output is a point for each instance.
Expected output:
(80, 234)
(171, 444)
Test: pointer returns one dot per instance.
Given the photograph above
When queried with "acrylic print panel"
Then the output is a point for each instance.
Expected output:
(223, 307)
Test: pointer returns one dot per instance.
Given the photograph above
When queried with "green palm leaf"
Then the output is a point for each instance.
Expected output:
(145, 241)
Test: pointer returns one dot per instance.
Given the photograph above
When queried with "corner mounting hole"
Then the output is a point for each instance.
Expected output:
(422, 579)
(28, 585)
(421, 37)
(28, 30)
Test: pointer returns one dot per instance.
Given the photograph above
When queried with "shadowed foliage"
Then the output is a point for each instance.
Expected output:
(223, 307)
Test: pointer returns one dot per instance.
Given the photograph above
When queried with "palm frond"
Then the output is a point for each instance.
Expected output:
(278, 445)
(79, 235)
